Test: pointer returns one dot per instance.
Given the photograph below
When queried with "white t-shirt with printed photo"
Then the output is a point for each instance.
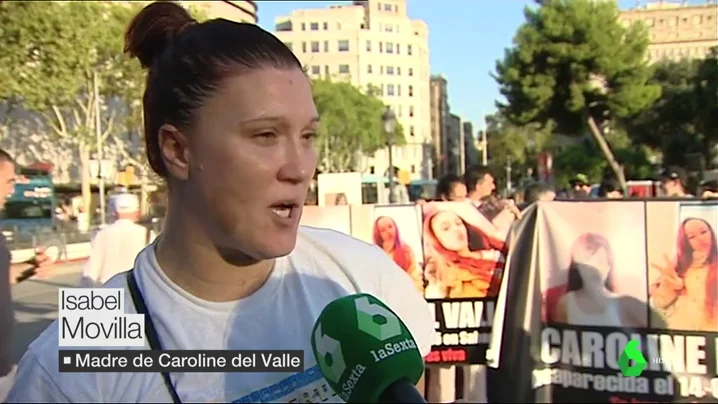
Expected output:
(324, 266)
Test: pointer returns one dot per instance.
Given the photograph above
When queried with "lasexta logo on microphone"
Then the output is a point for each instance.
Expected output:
(361, 345)
(375, 320)
(330, 357)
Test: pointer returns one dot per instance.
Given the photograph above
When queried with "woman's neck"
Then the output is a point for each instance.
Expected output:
(195, 264)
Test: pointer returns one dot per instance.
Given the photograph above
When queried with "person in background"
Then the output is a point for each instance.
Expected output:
(40, 265)
(537, 192)
(341, 199)
(479, 183)
(709, 190)
(580, 187)
(674, 182)
(115, 247)
(401, 193)
(451, 188)
(610, 189)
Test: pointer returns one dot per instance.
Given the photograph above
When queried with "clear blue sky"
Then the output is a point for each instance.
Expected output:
(465, 60)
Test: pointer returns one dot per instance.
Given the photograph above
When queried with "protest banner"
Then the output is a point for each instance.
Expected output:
(610, 302)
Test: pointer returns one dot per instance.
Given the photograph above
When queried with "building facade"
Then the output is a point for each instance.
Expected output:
(372, 43)
(439, 112)
(471, 153)
(677, 30)
(240, 11)
(455, 143)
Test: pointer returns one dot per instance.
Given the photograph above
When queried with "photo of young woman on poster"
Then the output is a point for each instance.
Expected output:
(591, 267)
(590, 297)
(388, 236)
(464, 257)
(685, 294)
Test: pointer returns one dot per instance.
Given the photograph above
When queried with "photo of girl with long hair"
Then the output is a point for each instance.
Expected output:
(685, 292)
(396, 231)
(590, 265)
(464, 256)
(589, 297)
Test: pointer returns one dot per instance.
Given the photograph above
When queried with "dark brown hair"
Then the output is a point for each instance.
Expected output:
(187, 60)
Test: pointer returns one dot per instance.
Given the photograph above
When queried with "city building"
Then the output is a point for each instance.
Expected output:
(677, 30)
(439, 111)
(471, 153)
(455, 143)
(372, 43)
(240, 11)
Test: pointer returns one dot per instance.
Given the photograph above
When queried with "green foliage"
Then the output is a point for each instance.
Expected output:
(683, 122)
(351, 125)
(516, 145)
(562, 53)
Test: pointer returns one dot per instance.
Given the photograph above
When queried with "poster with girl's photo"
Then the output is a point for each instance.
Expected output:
(591, 262)
(329, 217)
(464, 258)
(683, 275)
(396, 230)
(464, 252)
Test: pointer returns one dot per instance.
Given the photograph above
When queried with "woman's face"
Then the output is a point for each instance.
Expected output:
(699, 236)
(250, 160)
(450, 231)
(387, 229)
(594, 266)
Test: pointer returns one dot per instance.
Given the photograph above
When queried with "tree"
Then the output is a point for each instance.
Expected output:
(351, 125)
(574, 64)
(513, 145)
(58, 52)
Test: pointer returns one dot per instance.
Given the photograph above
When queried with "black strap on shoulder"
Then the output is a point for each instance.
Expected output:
(150, 331)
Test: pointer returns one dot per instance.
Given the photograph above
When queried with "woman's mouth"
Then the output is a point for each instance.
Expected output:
(284, 210)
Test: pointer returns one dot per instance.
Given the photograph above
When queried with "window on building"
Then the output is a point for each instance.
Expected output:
(398, 111)
(381, 47)
(389, 47)
(326, 46)
(316, 70)
(411, 131)
(408, 49)
(411, 111)
(397, 28)
(398, 90)
(398, 70)
(413, 169)
(411, 71)
(304, 27)
(368, 69)
(381, 89)
(368, 46)
(344, 69)
(378, 6)
(339, 26)
(389, 28)
(314, 26)
(387, 7)
(390, 89)
(315, 46)
(398, 49)
(304, 47)
(372, 169)
(326, 70)
(325, 26)
(411, 91)
(381, 69)
(390, 70)
(343, 45)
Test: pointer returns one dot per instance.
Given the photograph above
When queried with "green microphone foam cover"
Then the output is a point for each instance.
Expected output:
(362, 347)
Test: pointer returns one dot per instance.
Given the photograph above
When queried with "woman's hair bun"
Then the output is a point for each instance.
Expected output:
(153, 28)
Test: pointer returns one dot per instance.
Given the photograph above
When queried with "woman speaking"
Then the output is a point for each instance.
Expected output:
(230, 125)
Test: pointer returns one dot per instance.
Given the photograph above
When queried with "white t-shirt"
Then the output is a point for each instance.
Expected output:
(324, 266)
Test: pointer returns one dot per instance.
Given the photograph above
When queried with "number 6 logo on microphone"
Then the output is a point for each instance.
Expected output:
(330, 356)
(376, 320)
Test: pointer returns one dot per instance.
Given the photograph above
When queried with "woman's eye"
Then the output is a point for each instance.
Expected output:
(310, 135)
(265, 135)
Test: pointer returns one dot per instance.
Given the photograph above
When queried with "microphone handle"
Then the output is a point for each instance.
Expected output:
(402, 391)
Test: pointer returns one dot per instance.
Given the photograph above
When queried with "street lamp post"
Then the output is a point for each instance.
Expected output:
(389, 120)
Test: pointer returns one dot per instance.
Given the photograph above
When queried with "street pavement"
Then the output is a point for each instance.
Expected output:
(35, 303)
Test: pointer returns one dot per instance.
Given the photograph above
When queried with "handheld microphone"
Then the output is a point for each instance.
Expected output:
(366, 353)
